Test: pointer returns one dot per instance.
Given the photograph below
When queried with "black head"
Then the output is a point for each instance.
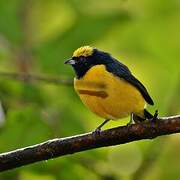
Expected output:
(86, 57)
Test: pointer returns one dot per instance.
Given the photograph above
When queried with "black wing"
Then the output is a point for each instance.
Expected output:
(122, 71)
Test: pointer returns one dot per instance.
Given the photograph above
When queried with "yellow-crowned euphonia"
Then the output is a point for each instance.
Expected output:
(107, 87)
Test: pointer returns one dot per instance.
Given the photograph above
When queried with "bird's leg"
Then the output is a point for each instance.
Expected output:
(131, 120)
(98, 129)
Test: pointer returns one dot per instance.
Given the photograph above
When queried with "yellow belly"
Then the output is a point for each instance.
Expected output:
(108, 96)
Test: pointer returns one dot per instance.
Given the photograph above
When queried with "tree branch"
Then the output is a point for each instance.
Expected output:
(69, 145)
(31, 77)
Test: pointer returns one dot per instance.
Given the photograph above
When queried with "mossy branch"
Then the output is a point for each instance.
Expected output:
(69, 145)
(34, 78)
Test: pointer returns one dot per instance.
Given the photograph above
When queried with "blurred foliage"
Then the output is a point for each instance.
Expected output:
(37, 36)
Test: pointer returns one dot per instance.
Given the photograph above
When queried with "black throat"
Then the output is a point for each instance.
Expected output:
(81, 70)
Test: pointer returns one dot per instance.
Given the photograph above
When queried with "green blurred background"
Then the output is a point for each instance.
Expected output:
(37, 36)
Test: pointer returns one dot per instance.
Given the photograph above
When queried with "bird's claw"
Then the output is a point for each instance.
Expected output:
(129, 123)
(96, 132)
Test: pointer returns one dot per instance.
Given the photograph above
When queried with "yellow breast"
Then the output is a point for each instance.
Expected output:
(108, 96)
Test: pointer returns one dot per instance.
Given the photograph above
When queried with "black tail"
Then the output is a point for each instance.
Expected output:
(147, 116)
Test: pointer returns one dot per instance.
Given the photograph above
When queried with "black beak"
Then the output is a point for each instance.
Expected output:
(70, 61)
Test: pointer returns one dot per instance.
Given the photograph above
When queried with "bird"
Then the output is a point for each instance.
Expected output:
(108, 88)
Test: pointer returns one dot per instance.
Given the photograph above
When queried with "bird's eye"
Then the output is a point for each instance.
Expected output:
(81, 58)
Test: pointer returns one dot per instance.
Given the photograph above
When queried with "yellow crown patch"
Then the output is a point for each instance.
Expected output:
(83, 51)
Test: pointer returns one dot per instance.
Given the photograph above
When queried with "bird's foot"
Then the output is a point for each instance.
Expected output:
(96, 132)
(98, 129)
(129, 123)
